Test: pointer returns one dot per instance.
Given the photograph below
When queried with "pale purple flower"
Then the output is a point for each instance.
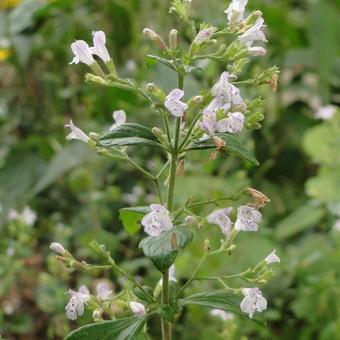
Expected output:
(137, 308)
(204, 35)
(254, 33)
(257, 51)
(29, 216)
(57, 248)
(76, 133)
(248, 218)
(221, 218)
(75, 306)
(82, 53)
(235, 11)
(325, 112)
(103, 291)
(209, 122)
(223, 315)
(174, 104)
(119, 117)
(12, 215)
(272, 258)
(232, 124)
(253, 301)
(157, 220)
(99, 49)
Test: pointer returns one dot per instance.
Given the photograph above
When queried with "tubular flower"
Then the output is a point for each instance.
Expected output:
(204, 35)
(232, 124)
(99, 49)
(221, 218)
(253, 301)
(57, 248)
(272, 258)
(76, 304)
(103, 291)
(254, 33)
(82, 53)
(173, 103)
(248, 218)
(137, 308)
(76, 133)
(157, 221)
(235, 11)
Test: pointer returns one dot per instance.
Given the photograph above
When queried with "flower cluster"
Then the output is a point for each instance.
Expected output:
(157, 220)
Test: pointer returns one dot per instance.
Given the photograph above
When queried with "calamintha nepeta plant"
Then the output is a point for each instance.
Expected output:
(210, 120)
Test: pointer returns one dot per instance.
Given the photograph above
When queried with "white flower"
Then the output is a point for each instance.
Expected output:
(257, 51)
(235, 11)
(336, 226)
(12, 215)
(248, 218)
(227, 93)
(29, 216)
(209, 123)
(57, 248)
(173, 103)
(326, 112)
(254, 33)
(82, 53)
(157, 221)
(99, 49)
(76, 304)
(204, 35)
(76, 133)
(223, 315)
(232, 124)
(253, 301)
(119, 117)
(221, 218)
(272, 258)
(137, 308)
(103, 291)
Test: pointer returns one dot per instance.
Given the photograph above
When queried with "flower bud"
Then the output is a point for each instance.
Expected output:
(137, 308)
(190, 220)
(260, 199)
(97, 314)
(219, 142)
(204, 35)
(156, 91)
(257, 51)
(152, 35)
(173, 39)
(89, 77)
(207, 245)
(57, 248)
(158, 133)
(95, 136)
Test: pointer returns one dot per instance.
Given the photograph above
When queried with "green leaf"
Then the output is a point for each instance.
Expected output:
(163, 249)
(129, 134)
(168, 312)
(304, 217)
(131, 218)
(232, 144)
(219, 299)
(153, 59)
(123, 329)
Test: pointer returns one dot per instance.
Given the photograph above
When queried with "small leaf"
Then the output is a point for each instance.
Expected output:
(232, 144)
(153, 59)
(160, 249)
(131, 218)
(215, 299)
(123, 329)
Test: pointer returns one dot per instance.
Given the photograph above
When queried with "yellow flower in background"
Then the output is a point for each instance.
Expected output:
(4, 4)
(4, 54)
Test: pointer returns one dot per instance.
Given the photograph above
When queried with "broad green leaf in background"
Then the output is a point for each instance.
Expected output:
(163, 249)
(232, 144)
(131, 218)
(129, 134)
(122, 329)
(304, 217)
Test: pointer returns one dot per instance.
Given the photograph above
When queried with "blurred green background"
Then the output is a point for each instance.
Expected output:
(74, 195)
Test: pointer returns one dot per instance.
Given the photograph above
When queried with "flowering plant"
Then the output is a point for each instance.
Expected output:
(210, 120)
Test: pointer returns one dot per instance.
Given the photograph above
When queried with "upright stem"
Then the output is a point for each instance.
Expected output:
(166, 326)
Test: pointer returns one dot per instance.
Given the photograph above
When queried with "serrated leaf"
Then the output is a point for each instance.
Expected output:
(163, 249)
(123, 329)
(232, 144)
(302, 218)
(153, 59)
(131, 218)
(216, 299)
(129, 134)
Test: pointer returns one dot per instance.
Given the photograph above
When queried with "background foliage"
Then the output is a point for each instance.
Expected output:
(76, 195)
